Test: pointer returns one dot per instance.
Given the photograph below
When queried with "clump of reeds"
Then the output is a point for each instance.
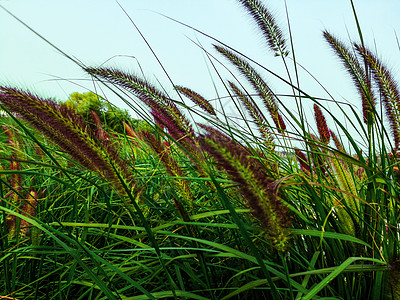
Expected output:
(318, 219)
(87, 146)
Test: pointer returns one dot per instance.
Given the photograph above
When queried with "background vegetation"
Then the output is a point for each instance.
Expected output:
(277, 207)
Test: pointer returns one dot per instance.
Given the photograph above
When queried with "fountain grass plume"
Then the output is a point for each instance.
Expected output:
(184, 138)
(197, 98)
(255, 184)
(388, 89)
(27, 204)
(358, 74)
(12, 141)
(163, 109)
(258, 84)
(152, 97)
(170, 165)
(69, 131)
(256, 114)
(267, 24)
(322, 127)
(338, 144)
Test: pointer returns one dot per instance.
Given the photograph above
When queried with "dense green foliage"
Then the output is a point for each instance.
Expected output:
(99, 209)
(111, 116)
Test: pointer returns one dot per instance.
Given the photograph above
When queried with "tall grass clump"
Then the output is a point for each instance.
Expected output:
(280, 207)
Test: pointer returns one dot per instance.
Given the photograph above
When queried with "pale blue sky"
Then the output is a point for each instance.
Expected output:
(95, 30)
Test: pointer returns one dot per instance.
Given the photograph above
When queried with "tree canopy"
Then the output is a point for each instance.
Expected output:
(109, 114)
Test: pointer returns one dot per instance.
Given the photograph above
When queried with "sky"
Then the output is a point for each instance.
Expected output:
(98, 32)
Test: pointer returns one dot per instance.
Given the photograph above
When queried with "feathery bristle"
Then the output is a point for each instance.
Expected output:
(335, 139)
(280, 123)
(197, 98)
(268, 26)
(16, 178)
(11, 223)
(68, 130)
(255, 184)
(321, 125)
(357, 73)
(141, 88)
(148, 94)
(165, 112)
(255, 113)
(264, 92)
(388, 89)
(169, 164)
(185, 138)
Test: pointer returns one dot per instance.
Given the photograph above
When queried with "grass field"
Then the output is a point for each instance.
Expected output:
(276, 207)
